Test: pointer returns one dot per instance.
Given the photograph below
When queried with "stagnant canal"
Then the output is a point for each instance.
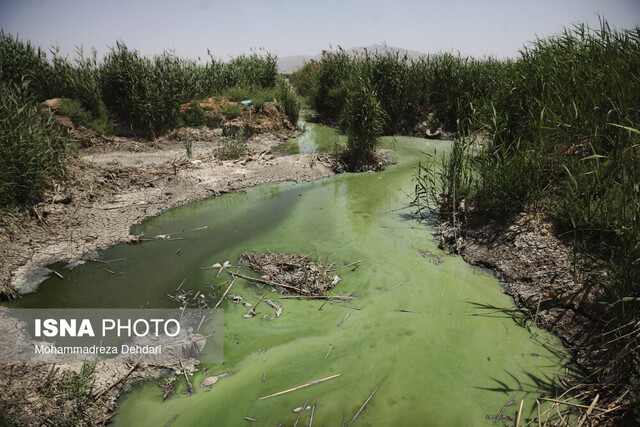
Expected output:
(436, 364)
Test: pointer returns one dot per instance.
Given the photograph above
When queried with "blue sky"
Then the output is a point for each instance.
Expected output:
(288, 27)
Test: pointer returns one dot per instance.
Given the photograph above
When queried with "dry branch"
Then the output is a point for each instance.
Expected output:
(366, 402)
(300, 387)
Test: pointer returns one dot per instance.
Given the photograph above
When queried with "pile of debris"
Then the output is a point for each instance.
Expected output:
(296, 273)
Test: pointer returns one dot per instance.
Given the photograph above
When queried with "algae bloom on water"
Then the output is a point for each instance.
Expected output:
(408, 323)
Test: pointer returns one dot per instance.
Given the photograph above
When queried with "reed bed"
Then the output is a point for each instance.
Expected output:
(124, 91)
(563, 129)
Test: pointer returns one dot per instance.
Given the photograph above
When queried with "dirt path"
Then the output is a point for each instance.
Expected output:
(121, 182)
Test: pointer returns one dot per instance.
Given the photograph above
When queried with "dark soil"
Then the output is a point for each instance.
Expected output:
(557, 289)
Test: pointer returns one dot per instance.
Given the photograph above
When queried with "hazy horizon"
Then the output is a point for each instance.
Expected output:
(284, 27)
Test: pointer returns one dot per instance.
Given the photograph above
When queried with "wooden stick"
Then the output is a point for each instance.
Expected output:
(329, 297)
(259, 301)
(313, 410)
(300, 413)
(507, 404)
(300, 387)
(57, 274)
(184, 371)
(366, 402)
(330, 346)
(266, 282)
(539, 416)
(489, 312)
(106, 390)
(181, 283)
(396, 286)
(225, 292)
(575, 404)
(520, 413)
(344, 318)
(593, 404)
(346, 265)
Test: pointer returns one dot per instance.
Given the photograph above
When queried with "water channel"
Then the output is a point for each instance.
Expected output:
(436, 364)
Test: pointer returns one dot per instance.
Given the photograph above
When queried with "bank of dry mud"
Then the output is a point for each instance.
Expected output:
(121, 182)
(114, 184)
(559, 292)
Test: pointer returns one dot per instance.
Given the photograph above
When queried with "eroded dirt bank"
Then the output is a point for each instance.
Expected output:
(117, 182)
(121, 182)
(537, 269)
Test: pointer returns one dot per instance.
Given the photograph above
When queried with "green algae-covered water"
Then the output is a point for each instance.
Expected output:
(435, 365)
(315, 139)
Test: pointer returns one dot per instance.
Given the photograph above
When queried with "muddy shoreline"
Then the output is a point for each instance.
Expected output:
(117, 183)
(537, 269)
(122, 182)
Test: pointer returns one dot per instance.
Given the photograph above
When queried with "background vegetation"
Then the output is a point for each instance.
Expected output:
(563, 127)
(143, 94)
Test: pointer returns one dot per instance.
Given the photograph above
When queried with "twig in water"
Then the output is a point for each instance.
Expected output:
(225, 293)
(57, 274)
(313, 410)
(327, 297)
(252, 420)
(259, 301)
(507, 404)
(490, 312)
(366, 402)
(300, 387)
(519, 413)
(344, 318)
(300, 413)
(266, 282)
(396, 286)
(184, 371)
(346, 265)
(330, 346)
(181, 283)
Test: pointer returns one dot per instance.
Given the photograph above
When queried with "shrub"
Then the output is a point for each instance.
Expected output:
(31, 147)
(73, 109)
(231, 111)
(195, 116)
(289, 101)
(21, 62)
(364, 119)
(232, 147)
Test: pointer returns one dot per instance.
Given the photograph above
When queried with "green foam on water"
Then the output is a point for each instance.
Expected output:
(437, 366)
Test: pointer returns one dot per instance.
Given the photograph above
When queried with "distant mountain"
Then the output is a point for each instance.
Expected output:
(289, 64)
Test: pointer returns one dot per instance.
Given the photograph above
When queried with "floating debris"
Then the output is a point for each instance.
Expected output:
(280, 393)
(436, 259)
(296, 273)
(219, 266)
(209, 381)
(276, 307)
